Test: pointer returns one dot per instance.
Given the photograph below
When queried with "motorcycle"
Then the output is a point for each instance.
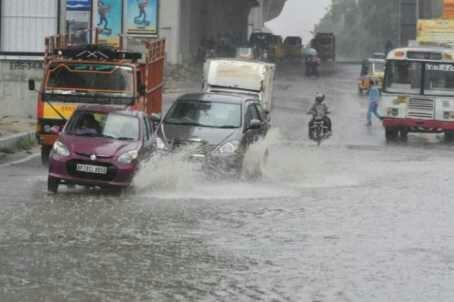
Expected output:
(318, 130)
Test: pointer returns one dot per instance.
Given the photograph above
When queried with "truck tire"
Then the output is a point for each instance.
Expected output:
(45, 151)
(391, 134)
(52, 184)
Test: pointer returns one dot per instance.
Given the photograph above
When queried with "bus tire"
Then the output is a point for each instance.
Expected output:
(45, 152)
(449, 136)
(391, 134)
(403, 134)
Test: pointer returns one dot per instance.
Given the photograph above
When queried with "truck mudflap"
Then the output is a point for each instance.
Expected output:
(418, 125)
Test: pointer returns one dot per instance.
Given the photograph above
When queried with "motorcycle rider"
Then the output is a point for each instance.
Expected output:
(319, 111)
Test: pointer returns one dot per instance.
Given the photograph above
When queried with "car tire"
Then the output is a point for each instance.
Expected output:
(52, 184)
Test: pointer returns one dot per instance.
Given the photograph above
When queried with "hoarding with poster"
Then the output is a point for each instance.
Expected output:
(435, 31)
(142, 17)
(109, 21)
(78, 20)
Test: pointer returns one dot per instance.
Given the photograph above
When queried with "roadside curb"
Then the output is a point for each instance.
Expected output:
(11, 142)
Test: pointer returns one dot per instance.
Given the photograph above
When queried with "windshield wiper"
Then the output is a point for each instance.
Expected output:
(122, 138)
(228, 127)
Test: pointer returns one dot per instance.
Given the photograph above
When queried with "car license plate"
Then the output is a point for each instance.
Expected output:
(91, 169)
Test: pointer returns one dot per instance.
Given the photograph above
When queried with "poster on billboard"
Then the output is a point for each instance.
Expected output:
(435, 31)
(142, 17)
(109, 21)
(78, 20)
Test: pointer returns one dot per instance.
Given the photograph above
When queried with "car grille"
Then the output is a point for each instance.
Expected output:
(421, 108)
(111, 170)
(194, 147)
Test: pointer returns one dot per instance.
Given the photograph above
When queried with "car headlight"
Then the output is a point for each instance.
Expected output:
(128, 157)
(228, 148)
(159, 143)
(60, 149)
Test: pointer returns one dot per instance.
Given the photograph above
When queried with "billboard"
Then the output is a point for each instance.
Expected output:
(78, 20)
(435, 31)
(109, 19)
(142, 17)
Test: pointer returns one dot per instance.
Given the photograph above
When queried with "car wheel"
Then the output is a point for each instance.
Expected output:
(52, 184)
(45, 152)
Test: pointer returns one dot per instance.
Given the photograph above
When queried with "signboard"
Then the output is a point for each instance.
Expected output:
(109, 21)
(435, 31)
(78, 19)
(142, 17)
(448, 9)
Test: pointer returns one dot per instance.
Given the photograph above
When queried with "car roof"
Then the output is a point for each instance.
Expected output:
(108, 109)
(216, 97)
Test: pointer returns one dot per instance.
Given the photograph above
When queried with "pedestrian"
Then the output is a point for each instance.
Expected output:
(373, 97)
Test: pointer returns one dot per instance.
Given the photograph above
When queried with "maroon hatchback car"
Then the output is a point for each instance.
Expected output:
(100, 146)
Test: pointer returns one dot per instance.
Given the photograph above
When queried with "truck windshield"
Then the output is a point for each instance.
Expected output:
(91, 78)
(407, 77)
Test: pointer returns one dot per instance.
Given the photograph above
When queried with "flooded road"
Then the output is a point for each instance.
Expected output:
(352, 220)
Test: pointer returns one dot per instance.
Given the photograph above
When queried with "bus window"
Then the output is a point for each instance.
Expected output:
(439, 79)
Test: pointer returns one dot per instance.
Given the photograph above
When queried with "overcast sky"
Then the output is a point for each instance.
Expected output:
(299, 17)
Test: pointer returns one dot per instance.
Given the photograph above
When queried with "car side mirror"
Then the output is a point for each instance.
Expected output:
(255, 124)
(142, 90)
(31, 85)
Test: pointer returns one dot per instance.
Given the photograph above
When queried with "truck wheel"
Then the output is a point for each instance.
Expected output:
(52, 184)
(391, 134)
(403, 134)
(45, 151)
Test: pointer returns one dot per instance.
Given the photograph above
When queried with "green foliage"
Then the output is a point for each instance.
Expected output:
(362, 26)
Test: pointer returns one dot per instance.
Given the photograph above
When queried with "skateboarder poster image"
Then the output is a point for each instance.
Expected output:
(142, 17)
(109, 21)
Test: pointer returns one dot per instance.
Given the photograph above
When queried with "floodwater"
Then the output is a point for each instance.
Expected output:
(352, 220)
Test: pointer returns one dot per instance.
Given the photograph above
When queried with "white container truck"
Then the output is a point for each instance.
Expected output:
(240, 77)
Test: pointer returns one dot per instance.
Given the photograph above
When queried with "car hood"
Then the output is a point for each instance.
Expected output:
(100, 146)
(212, 136)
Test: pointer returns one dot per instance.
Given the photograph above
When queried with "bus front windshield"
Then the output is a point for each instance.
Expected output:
(408, 77)
(107, 79)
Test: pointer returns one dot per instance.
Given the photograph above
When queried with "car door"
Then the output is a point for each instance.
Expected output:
(147, 134)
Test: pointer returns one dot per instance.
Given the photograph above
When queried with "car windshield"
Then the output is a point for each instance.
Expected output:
(378, 67)
(89, 78)
(205, 114)
(99, 124)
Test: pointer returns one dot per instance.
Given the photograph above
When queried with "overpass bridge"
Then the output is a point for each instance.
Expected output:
(186, 23)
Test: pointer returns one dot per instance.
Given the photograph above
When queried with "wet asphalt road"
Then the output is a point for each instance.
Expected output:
(353, 220)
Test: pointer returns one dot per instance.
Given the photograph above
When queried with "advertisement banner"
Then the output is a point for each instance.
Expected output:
(435, 31)
(109, 21)
(142, 17)
(448, 9)
(78, 19)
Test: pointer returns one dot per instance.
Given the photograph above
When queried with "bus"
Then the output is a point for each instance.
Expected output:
(418, 92)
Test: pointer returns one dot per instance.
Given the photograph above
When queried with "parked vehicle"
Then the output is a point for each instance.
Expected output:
(374, 70)
(100, 146)
(277, 49)
(261, 42)
(325, 44)
(251, 78)
(418, 92)
(95, 74)
(216, 128)
(293, 47)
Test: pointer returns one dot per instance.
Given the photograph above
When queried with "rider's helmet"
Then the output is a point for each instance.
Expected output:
(319, 97)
